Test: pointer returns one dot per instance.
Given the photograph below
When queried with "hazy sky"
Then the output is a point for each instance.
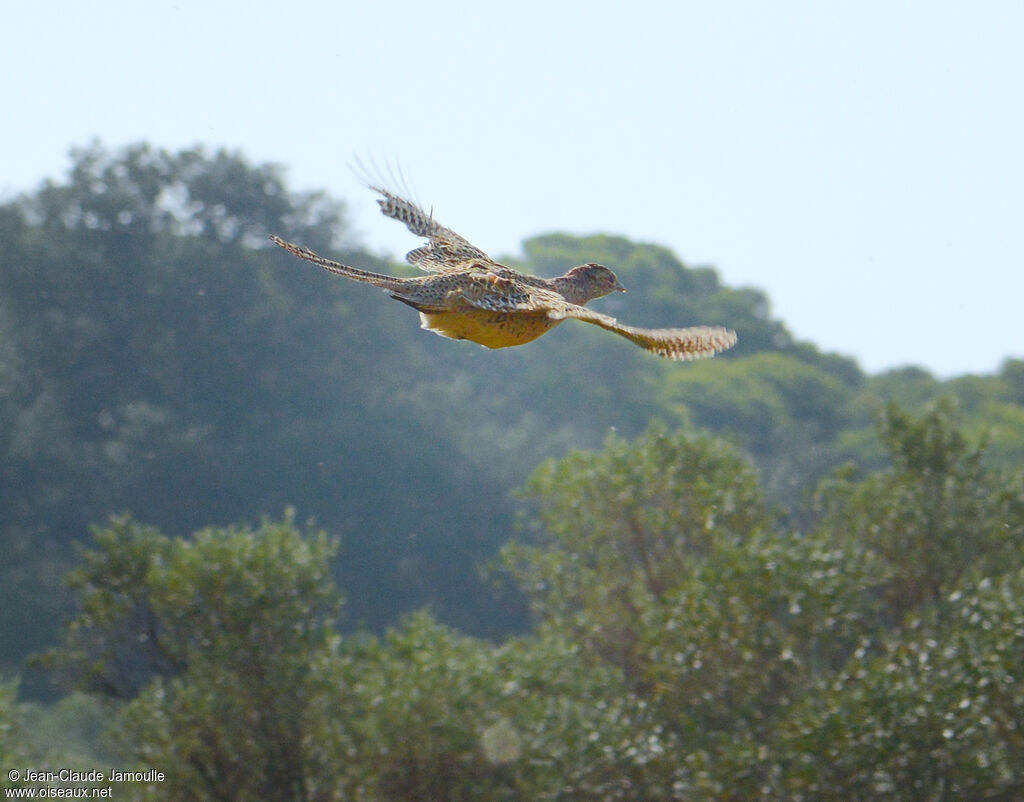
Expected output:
(859, 161)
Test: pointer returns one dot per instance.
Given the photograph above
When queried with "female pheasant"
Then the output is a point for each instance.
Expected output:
(466, 295)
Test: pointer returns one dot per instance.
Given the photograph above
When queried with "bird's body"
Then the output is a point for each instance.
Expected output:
(491, 329)
(468, 296)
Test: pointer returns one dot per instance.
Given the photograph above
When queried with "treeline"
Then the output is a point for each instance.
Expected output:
(156, 355)
(687, 644)
(680, 616)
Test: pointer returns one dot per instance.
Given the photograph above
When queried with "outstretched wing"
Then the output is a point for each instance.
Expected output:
(698, 342)
(444, 251)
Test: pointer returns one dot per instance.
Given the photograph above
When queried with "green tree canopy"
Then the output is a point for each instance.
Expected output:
(871, 655)
(212, 641)
(936, 516)
(157, 355)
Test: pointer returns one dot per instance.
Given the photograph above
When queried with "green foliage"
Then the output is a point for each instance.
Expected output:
(659, 557)
(153, 605)
(154, 347)
(68, 733)
(211, 639)
(157, 355)
(784, 665)
(123, 360)
(937, 515)
(748, 629)
(935, 715)
(687, 647)
(430, 714)
(243, 690)
(787, 413)
(12, 729)
(622, 525)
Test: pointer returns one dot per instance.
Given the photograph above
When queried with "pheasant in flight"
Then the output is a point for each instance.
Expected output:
(466, 295)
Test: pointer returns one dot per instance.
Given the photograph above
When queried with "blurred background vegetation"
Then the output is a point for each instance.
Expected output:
(263, 535)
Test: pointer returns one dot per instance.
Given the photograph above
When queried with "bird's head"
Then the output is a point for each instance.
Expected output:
(591, 281)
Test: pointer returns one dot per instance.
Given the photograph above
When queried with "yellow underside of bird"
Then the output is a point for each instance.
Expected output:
(490, 329)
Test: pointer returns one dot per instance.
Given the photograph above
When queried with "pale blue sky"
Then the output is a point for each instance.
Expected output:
(859, 161)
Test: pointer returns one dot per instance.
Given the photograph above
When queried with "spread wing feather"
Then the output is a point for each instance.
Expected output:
(698, 342)
(445, 250)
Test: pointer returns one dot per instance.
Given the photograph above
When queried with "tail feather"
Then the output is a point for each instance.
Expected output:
(376, 279)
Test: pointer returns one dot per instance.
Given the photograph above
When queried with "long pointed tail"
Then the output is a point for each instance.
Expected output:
(376, 279)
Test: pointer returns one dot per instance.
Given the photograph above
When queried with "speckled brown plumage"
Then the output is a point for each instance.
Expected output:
(466, 295)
